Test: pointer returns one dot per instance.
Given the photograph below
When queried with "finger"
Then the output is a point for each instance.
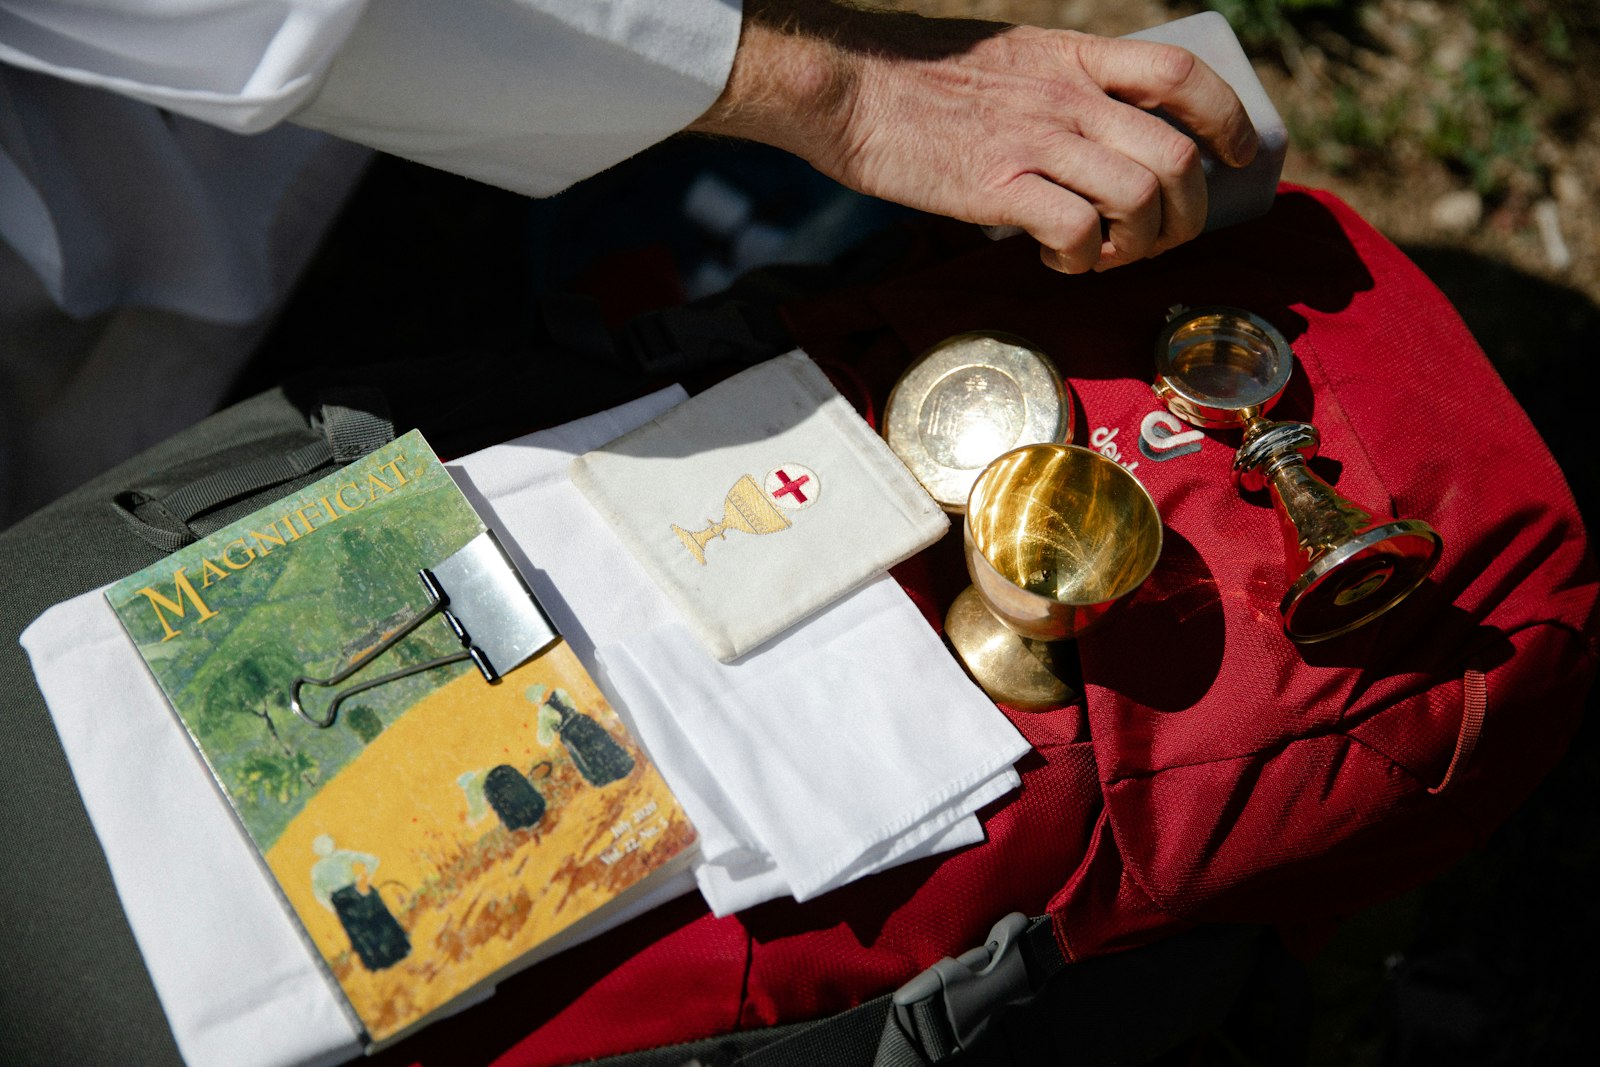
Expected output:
(1150, 75)
(1167, 154)
(1125, 194)
(1066, 225)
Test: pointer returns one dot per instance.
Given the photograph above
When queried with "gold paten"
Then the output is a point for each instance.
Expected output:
(1225, 368)
(1054, 536)
(968, 399)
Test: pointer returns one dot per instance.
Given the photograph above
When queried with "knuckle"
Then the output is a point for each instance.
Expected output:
(1171, 66)
(1180, 155)
(1144, 191)
(1078, 227)
(1074, 240)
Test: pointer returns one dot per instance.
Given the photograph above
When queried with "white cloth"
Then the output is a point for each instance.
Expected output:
(813, 760)
(532, 95)
(129, 186)
(191, 884)
(758, 502)
(856, 686)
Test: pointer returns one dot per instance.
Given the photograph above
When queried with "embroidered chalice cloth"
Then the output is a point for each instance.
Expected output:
(758, 502)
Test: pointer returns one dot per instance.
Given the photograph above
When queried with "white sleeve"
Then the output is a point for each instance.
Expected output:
(240, 64)
(531, 95)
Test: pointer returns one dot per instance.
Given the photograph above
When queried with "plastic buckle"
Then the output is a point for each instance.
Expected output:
(971, 988)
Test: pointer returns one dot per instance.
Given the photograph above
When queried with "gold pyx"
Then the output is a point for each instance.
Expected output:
(1222, 367)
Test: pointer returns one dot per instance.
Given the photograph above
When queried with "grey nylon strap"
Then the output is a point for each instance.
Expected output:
(353, 423)
(847, 1039)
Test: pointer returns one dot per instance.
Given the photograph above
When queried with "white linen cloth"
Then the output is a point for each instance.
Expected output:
(198, 900)
(816, 760)
(758, 502)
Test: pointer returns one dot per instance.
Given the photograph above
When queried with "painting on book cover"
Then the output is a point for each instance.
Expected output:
(441, 829)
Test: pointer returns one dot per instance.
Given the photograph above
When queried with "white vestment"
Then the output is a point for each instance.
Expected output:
(125, 181)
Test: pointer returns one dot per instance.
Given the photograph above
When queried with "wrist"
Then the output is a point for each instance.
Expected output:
(792, 82)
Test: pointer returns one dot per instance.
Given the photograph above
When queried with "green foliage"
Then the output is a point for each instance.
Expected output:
(1348, 133)
(365, 722)
(1474, 114)
(275, 777)
(1262, 24)
(1483, 119)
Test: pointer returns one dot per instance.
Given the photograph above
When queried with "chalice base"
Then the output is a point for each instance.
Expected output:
(1017, 671)
(1354, 582)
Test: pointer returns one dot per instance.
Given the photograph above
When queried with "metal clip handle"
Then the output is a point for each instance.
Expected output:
(439, 599)
(488, 607)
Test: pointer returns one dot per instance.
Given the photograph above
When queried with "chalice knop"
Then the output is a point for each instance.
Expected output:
(1224, 368)
(1054, 535)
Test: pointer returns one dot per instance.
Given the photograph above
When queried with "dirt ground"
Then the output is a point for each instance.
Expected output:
(1469, 125)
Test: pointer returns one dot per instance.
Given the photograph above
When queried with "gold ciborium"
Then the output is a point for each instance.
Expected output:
(1222, 367)
(1054, 536)
(746, 509)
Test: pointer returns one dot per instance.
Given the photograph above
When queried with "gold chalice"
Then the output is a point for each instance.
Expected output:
(1221, 367)
(746, 508)
(1054, 536)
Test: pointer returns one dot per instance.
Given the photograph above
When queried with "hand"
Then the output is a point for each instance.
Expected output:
(1048, 130)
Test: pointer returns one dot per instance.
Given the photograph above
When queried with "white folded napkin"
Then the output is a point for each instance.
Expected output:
(192, 885)
(759, 502)
(819, 767)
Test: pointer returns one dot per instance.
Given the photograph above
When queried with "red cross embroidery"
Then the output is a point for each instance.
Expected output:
(791, 486)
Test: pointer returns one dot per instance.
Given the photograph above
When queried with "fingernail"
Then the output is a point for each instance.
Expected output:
(1243, 148)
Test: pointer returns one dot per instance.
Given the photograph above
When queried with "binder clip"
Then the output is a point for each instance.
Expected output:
(486, 604)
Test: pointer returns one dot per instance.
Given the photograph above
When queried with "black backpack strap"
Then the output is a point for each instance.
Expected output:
(937, 1014)
(352, 422)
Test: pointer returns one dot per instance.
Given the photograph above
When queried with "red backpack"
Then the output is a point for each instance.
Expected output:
(1213, 772)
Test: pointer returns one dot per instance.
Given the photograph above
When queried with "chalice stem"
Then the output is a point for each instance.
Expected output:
(1346, 567)
(1313, 517)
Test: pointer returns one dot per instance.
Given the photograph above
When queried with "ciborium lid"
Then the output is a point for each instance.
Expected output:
(1220, 367)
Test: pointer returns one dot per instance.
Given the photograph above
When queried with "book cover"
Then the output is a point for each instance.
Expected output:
(442, 831)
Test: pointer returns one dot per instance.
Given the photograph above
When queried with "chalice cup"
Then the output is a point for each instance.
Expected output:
(1221, 367)
(1054, 536)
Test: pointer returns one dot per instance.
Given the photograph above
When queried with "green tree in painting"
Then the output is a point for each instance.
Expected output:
(258, 688)
(277, 777)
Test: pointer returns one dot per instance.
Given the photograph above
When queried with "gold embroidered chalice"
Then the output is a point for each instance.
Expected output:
(1224, 368)
(746, 508)
(1054, 536)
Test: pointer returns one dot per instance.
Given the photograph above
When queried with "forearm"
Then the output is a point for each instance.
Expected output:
(1049, 130)
(801, 66)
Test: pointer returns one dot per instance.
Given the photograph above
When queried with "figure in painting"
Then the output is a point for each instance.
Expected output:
(596, 754)
(341, 882)
(513, 797)
(508, 791)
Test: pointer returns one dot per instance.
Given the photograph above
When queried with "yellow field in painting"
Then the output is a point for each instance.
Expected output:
(474, 897)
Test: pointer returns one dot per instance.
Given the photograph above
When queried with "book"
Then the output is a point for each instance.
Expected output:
(442, 830)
